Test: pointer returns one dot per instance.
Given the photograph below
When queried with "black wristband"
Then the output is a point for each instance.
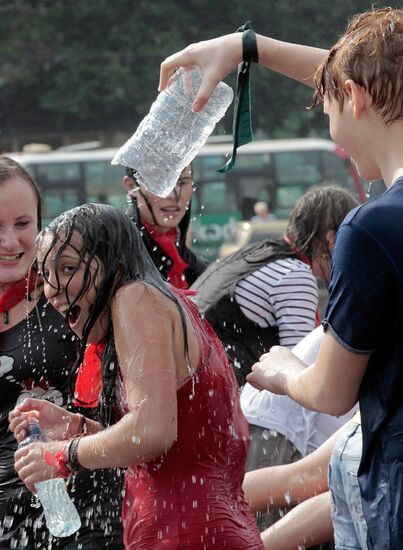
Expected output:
(249, 43)
(249, 46)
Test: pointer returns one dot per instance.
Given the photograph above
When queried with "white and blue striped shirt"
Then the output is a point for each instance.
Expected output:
(283, 293)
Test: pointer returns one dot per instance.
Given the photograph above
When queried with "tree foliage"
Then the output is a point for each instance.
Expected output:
(93, 64)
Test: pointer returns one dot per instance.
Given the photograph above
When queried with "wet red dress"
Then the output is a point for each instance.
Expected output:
(191, 498)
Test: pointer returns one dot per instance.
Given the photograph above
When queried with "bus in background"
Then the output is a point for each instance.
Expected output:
(275, 171)
(68, 178)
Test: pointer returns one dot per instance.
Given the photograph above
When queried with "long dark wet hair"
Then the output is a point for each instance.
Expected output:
(114, 243)
(321, 209)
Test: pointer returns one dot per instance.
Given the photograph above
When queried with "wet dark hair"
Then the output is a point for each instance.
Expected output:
(112, 240)
(370, 54)
(321, 209)
(10, 169)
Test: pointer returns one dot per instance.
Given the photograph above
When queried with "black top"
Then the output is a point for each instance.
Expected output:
(365, 316)
(35, 358)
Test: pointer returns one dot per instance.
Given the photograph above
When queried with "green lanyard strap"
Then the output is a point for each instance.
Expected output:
(242, 123)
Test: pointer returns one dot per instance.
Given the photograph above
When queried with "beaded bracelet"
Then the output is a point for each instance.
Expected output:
(71, 454)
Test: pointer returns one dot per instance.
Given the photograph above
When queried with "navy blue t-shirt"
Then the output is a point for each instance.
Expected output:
(365, 315)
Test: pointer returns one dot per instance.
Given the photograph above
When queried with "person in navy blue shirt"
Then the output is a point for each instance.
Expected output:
(360, 82)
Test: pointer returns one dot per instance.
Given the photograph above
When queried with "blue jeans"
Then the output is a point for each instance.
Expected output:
(350, 529)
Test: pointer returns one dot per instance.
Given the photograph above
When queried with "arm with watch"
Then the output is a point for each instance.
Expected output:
(62, 428)
(218, 57)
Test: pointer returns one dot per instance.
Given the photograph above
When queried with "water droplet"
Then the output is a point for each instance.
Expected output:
(8, 521)
(287, 497)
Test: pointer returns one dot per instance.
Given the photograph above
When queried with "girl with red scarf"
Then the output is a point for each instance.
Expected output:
(37, 350)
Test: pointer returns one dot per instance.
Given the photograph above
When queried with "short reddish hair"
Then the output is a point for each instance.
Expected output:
(371, 54)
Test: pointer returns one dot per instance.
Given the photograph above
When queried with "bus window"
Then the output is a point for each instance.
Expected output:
(103, 182)
(295, 172)
(61, 187)
(287, 196)
(59, 173)
(216, 197)
(297, 168)
(251, 188)
(215, 212)
(335, 170)
(56, 201)
(254, 161)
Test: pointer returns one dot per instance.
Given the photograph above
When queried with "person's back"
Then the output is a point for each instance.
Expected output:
(202, 472)
(266, 294)
(373, 233)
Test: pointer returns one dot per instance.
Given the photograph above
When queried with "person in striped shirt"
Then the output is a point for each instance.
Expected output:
(266, 294)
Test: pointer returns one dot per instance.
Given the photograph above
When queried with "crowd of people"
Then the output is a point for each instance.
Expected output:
(159, 380)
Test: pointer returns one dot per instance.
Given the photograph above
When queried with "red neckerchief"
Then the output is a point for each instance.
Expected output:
(167, 242)
(89, 380)
(17, 292)
(307, 261)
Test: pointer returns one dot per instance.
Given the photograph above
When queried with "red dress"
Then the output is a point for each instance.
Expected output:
(191, 497)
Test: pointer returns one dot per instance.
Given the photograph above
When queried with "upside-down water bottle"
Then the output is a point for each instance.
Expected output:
(61, 515)
(172, 134)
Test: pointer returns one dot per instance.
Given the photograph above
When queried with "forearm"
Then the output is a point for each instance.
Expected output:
(296, 61)
(124, 444)
(79, 423)
(312, 390)
(306, 525)
(288, 483)
(281, 486)
(303, 388)
(293, 60)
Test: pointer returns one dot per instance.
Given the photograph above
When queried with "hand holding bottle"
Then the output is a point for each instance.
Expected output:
(30, 463)
(36, 471)
(216, 58)
(56, 423)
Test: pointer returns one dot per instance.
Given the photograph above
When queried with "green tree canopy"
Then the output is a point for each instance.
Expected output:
(93, 64)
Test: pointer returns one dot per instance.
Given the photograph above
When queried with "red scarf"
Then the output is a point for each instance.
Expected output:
(17, 292)
(167, 242)
(89, 381)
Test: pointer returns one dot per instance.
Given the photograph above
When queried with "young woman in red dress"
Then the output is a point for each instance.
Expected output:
(169, 406)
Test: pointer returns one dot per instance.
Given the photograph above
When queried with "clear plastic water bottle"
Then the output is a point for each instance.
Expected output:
(61, 515)
(171, 135)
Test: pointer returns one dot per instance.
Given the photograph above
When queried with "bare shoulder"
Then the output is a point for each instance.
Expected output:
(143, 301)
